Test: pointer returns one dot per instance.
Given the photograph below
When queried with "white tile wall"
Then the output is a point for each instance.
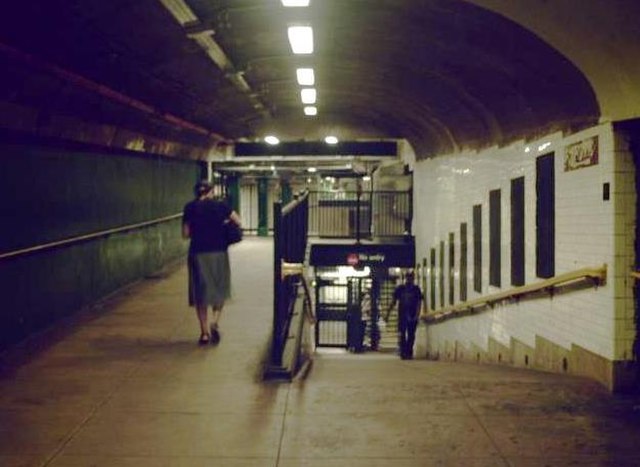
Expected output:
(589, 232)
(624, 197)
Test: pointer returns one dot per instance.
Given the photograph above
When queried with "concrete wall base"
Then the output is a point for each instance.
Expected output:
(617, 376)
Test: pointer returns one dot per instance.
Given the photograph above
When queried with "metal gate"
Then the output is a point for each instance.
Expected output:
(332, 306)
(339, 314)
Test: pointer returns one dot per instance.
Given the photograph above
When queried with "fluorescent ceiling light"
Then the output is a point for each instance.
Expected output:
(308, 96)
(343, 272)
(292, 3)
(331, 140)
(301, 39)
(306, 76)
(310, 110)
(271, 140)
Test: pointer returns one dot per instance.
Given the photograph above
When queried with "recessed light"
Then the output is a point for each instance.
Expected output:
(305, 76)
(301, 39)
(295, 3)
(310, 110)
(331, 140)
(308, 96)
(271, 140)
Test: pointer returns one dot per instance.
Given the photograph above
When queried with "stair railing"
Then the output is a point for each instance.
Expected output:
(290, 241)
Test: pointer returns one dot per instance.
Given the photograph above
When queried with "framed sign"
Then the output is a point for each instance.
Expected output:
(581, 154)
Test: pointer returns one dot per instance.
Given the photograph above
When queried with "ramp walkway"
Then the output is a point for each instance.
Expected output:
(125, 384)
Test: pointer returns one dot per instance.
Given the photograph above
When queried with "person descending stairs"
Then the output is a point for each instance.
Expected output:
(387, 324)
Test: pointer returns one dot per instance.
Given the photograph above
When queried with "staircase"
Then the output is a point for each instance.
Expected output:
(389, 335)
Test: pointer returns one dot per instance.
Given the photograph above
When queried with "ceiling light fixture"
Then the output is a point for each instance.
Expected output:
(308, 96)
(294, 3)
(272, 140)
(331, 140)
(544, 146)
(305, 76)
(311, 110)
(301, 39)
(312, 169)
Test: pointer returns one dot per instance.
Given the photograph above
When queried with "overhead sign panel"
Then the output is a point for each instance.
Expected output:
(385, 255)
(318, 148)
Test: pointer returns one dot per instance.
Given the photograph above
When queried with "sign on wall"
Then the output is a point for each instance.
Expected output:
(581, 154)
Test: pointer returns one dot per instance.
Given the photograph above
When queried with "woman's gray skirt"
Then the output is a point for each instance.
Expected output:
(209, 279)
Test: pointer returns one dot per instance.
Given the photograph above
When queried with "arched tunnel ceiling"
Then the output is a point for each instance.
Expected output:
(443, 74)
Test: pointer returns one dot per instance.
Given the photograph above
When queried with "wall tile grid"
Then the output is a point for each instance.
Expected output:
(447, 188)
(624, 197)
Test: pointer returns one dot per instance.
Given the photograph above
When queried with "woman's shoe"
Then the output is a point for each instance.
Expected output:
(215, 335)
(204, 339)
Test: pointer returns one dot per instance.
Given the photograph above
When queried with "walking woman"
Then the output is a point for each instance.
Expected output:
(209, 271)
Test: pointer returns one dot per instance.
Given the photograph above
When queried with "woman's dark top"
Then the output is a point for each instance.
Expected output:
(205, 219)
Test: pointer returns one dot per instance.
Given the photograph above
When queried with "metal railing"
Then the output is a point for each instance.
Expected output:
(290, 243)
(87, 237)
(595, 275)
(360, 214)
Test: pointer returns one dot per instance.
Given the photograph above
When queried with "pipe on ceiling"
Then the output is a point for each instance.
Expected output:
(102, 90)
(203, 36)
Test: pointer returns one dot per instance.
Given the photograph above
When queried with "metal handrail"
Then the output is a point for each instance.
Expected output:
(297, 270)
(597, 274)
(84, 238)
(295, 202)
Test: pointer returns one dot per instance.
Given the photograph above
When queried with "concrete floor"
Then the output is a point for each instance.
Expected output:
(126, 385)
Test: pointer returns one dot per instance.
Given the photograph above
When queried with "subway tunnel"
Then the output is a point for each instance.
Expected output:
(512, 127)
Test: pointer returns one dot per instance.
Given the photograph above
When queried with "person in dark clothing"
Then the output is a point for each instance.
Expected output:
(409, 297)
(209, 271)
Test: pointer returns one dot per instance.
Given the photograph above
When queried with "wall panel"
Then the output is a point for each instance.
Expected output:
(50, 193)
(585, 235)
